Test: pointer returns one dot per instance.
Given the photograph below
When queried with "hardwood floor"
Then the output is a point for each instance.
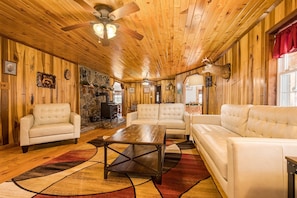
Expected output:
(13, 162)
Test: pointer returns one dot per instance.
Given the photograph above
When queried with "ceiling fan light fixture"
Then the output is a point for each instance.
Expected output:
(110, 28)
(145, 82)
(99, 29)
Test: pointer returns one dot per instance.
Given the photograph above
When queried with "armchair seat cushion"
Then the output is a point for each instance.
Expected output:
(51, 129)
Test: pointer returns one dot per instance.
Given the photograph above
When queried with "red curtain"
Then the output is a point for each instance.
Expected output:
(285, 41)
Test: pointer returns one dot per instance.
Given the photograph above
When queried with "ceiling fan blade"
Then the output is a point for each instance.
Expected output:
(72, 27)
(132, 33)
(123, 11)
(88, 7)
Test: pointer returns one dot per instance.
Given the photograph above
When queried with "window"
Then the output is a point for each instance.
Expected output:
(287, 83)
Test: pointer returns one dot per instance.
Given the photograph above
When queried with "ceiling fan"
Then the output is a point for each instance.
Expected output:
(106, 28)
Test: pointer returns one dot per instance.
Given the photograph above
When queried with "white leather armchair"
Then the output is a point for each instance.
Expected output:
(49, 123)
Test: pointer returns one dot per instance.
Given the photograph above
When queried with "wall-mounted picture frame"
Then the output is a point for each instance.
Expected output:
(131, 90)
(10, 68)
(46, 80)
(146, 90)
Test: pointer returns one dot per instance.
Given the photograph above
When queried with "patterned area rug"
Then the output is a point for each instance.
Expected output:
(80, 173)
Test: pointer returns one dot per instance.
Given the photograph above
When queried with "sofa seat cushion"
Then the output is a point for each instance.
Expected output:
(145, 121)
(173, 124)
(213, 139)
(50, 129)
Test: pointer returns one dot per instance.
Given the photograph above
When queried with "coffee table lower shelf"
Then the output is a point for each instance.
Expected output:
(146, 160)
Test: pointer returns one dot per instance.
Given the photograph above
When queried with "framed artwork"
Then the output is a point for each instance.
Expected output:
(131, 89)
(146, 90)
(46, 80)
(10, 68)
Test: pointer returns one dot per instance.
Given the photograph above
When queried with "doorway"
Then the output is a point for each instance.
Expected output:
(118, 97)
(158, 98)
(193, 97)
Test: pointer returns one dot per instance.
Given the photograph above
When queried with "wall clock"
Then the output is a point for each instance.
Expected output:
(67, 74)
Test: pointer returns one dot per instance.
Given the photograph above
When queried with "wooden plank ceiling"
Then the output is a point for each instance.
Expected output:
(178, 34)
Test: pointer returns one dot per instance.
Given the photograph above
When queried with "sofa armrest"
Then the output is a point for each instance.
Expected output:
(75, 120)
(26, 124)
(130, 117)
(257, 166)
(187, 122)
(206, 119)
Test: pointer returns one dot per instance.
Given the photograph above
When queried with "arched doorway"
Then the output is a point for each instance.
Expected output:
(194, 93)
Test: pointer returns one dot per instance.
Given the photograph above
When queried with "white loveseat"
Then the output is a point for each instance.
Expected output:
(245, 148)
(49, 123)
(172, 115)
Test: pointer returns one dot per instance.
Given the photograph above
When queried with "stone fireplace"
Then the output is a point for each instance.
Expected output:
(94, 90)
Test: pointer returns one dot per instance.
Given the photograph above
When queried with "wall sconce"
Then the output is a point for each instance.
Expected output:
(208, 81)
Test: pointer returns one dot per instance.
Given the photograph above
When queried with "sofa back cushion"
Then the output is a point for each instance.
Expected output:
(235, 117)
(51, 113)
(272, 122)
(147, 111)
(172, 111)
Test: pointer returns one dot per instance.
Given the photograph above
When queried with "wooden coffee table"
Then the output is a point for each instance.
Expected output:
(143, 156)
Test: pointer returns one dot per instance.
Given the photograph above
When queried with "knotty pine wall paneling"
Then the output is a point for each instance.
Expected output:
(22, 93)
(253, 70)
(138, 96)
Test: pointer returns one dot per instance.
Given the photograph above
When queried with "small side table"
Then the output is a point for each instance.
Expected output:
(292, 170)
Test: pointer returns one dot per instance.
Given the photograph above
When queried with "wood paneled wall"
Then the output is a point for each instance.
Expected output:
(253, 70)
(253, 77)
(22, 92)
(136, 93)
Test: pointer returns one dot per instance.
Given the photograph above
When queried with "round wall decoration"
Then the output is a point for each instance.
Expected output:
(67, 74)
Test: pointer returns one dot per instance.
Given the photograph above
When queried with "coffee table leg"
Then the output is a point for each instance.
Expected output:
(159, 175)
(291, 179)
(105, 161)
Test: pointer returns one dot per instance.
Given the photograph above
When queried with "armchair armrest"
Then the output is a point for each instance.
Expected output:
(26, 124)
(257, 166)
(75, 120)
(130, 117)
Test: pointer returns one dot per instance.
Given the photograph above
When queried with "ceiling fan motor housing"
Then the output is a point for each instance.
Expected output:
(104, 11)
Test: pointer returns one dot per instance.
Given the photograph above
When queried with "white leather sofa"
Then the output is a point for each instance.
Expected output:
(172, 115)
(245, 148)
(49, 123)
